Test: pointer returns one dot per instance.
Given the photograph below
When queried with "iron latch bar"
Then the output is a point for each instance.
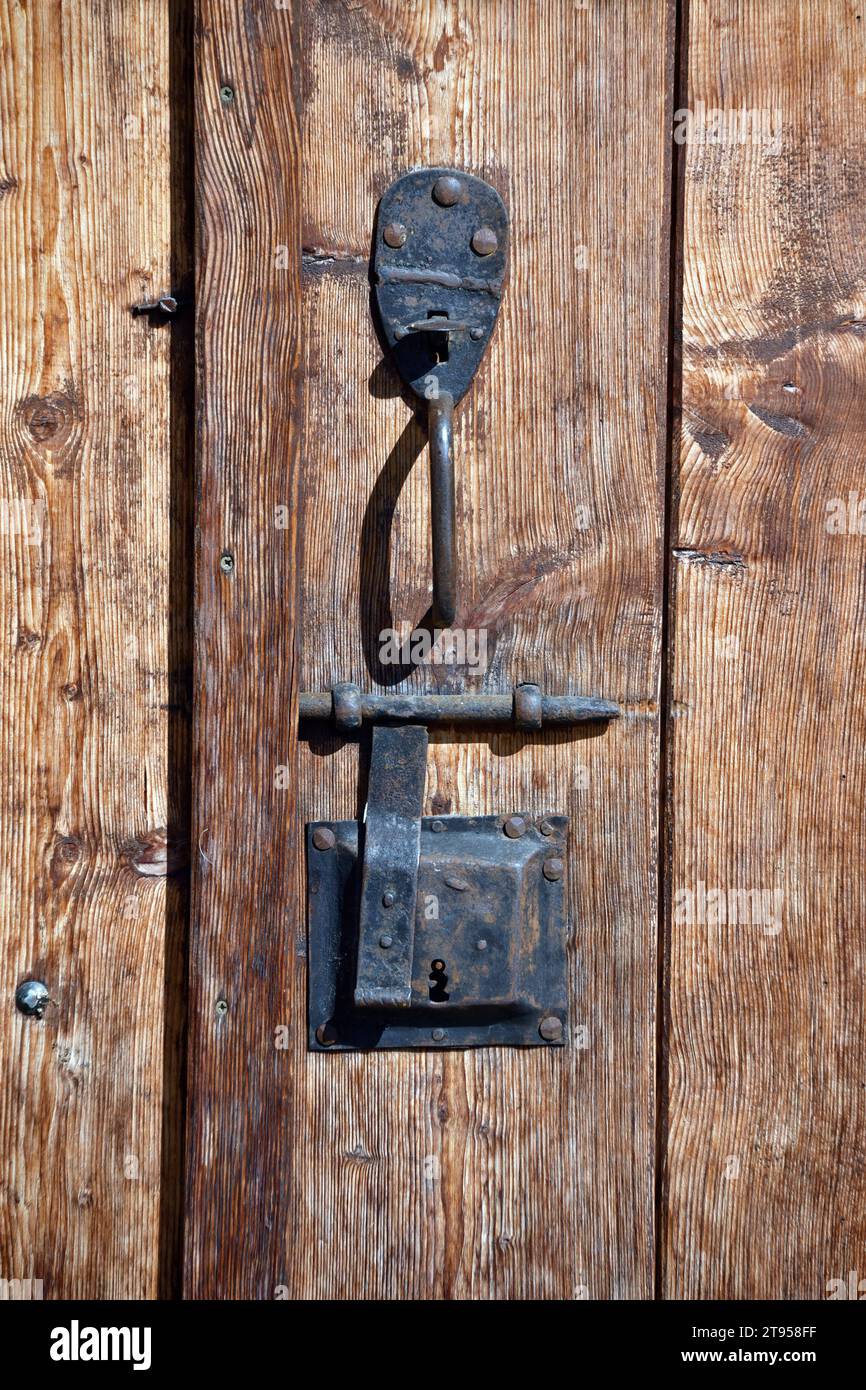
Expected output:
(389, 880)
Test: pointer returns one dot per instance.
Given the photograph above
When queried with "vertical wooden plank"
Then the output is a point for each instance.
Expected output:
(497, 1174)
(490, 1174)
(85, 680)
(765, 1178)
(247, 908)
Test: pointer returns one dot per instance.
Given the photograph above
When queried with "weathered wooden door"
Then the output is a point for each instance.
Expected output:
(490, 1173)
(657, 504)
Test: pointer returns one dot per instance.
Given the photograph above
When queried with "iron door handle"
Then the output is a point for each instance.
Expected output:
(438, 267)
(443, 518)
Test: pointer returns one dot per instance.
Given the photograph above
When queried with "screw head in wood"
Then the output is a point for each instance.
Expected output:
(514, 827)
(323, 838)
(446, 190)
(552, 870)
(484, 241)
(394, 234)
(550, 1028)
(227, 562)
(31, 998)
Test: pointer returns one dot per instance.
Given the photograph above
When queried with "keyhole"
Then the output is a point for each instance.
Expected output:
(442, 342)
(438, 992)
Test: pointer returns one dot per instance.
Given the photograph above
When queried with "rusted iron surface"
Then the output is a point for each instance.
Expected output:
(439, 256)
(349, 707)
(392, 834)
(488, 959)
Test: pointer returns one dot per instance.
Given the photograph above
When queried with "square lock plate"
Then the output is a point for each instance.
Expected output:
(488, 957)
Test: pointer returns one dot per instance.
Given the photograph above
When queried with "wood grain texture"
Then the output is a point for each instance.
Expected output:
(492, 1174)
(765, 1188)
(246, 902)
(85, 680)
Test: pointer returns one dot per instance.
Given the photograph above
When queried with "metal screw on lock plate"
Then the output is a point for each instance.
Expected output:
(550, 1028)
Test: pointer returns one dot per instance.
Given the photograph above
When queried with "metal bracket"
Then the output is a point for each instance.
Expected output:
(441, 246)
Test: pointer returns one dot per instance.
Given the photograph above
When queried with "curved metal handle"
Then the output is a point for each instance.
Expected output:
(440, 422)
(439, 261)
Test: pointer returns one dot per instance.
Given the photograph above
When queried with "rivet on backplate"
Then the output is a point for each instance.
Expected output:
(484, 241)
(389, 898)
(437, 826)
(552, 870)
(438, 1034)
(514, 827)
(323, 838)
(546, 828)
(386, 942)
(481, 945)
(446, 190)
(394, 234)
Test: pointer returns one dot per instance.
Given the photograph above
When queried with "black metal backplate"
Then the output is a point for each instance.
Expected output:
(436, 272)
(489, 959)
